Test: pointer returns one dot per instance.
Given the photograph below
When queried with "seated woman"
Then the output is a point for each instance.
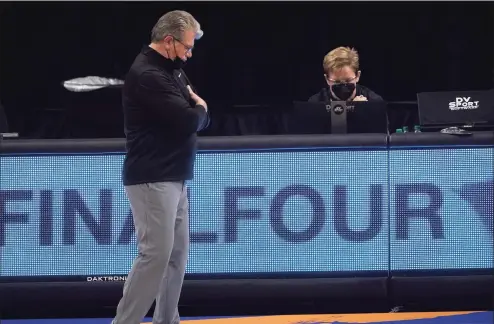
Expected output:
(341, 71)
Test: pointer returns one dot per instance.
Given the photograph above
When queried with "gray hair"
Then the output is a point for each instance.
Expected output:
(175, 23)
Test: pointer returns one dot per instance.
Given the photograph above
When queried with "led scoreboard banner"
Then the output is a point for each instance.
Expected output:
(258, 211)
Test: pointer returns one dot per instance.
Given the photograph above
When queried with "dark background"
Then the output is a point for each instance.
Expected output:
(252, 52)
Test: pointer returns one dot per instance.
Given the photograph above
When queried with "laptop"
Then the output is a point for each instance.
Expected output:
(315, 118)
(456, 108)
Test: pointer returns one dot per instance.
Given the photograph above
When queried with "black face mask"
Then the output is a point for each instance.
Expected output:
(343, 90)
(178, 63)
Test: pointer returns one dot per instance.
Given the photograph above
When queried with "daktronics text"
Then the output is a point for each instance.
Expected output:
(101, 226)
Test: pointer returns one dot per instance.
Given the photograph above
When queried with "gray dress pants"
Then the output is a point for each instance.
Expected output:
(160, 212)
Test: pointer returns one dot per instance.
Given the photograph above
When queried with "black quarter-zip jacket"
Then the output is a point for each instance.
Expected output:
(160, 121)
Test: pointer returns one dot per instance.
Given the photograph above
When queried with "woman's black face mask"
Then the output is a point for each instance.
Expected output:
(343, 90)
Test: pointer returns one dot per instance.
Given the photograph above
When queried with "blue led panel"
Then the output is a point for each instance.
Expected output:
(441, 208)
(250, 212)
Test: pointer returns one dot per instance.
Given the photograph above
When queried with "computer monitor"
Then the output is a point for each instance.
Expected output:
(319, 118)
(456, 108)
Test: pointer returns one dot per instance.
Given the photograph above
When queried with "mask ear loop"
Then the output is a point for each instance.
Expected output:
(175, 49)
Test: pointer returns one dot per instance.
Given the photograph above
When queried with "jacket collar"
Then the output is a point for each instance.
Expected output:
(157, 59)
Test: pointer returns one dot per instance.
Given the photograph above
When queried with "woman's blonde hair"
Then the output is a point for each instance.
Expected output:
(339, 58)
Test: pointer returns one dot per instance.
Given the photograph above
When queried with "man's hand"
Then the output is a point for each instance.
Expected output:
(360, 98)
(198, 100)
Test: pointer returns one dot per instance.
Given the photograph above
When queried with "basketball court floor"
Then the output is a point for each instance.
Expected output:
(389, 318)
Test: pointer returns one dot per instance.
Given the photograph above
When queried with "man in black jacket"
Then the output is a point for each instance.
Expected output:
(162, 115)
(342, 73)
